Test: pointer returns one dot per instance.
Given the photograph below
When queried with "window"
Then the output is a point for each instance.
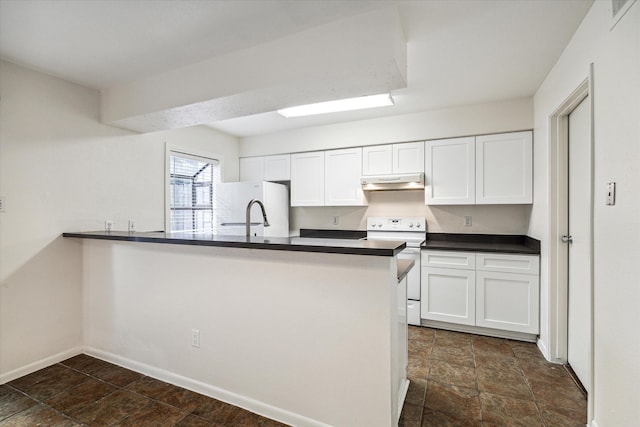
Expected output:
(192, 192)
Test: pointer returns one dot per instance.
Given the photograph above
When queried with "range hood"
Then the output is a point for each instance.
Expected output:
(410, 181)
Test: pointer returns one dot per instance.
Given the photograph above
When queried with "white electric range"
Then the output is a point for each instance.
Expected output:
(413, 231)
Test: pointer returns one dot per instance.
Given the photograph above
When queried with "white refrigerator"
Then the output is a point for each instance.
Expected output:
(232, 201)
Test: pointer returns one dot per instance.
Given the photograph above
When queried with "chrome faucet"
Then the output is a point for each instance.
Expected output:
(248, 217)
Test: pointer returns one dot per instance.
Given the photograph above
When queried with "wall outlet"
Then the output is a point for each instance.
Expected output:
(467, 221)
(3, 204)
(335, 220)
(132, 226)
(108, 225)
(195, 338)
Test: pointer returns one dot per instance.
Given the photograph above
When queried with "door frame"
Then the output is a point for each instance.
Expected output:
(559, 225)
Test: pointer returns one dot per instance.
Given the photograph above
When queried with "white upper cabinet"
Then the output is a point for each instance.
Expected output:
(343, 169)
(277, 168)
(504, 168)
(377, 160)
(266, 168)
(327, 178)
(408, 157)
(307, 179)
(390, 159)
(489, 169)
(449, 166)
(252, 169)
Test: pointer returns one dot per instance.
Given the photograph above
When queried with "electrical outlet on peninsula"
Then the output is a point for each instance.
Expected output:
(195, 338)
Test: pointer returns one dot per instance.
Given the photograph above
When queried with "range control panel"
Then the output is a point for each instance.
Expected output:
(396, 224)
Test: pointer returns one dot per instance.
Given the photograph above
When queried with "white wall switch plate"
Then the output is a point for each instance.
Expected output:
(611, 194)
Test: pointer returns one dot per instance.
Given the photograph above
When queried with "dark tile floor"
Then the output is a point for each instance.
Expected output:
(456, 380)
(469, 380)
(84, 391)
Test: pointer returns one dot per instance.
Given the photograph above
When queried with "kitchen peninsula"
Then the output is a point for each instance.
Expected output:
(302, 330)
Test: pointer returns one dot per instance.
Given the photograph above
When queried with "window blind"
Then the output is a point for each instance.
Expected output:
(192, 192)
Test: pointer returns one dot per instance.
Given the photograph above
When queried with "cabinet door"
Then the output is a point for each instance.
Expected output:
(277, 168)
(450, 171)
(508, 263)
(507, 301)
(377, 160)
(448, 295)
(504, 168)
(342, 172)
(307, 179)
(408, 157)
(252, 169)
(448, 259)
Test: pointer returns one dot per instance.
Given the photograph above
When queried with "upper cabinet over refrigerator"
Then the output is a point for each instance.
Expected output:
(488, 169)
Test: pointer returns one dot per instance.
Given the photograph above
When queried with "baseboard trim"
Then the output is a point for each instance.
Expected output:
(37, 365)
(227, 396)
(478, 330)
(543, 348)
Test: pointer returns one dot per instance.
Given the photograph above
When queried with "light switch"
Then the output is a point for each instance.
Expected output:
(611, 193)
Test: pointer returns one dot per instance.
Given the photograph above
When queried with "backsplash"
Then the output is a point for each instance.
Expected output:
(485, 219)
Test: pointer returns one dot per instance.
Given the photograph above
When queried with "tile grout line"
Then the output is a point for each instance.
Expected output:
(118, 388)
(40, 402)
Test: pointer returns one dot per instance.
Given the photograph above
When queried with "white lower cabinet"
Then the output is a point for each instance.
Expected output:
(449, 295)
(488, 290)
(507, 301)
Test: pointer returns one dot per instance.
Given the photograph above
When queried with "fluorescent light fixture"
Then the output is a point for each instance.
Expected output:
(358, 103)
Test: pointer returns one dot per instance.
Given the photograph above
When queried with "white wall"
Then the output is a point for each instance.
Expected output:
(62, 170)
(488, 219)
(309, 342)
(501, 116)
(616, 58)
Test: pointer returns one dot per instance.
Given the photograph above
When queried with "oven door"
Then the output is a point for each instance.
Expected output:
(413, 277)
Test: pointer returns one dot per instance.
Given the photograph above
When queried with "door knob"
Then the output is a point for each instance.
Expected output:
(567, 238)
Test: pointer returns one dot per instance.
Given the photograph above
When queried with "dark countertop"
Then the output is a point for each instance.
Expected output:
(404, 266)
(501, 243)
(296, 244)
(333, 234)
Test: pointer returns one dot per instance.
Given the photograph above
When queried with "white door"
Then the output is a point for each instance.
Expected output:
(448, 295)
(251, 169)
(450, 171)
(342, 171)
(376, 160)
(507, 301)
(504, 168)
(277, 168)
(307, 179)
(408, 157)
(579, 316)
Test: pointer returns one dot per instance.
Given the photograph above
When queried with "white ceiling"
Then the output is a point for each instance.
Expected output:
(458, 51)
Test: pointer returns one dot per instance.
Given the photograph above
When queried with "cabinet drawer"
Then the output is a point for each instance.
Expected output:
(448, 259)
(508, 263)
